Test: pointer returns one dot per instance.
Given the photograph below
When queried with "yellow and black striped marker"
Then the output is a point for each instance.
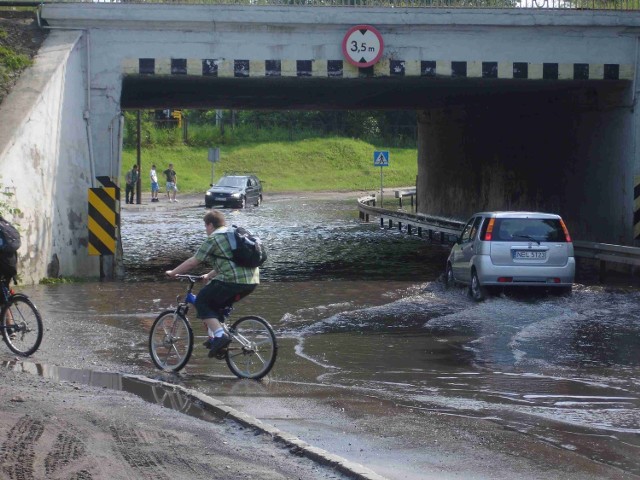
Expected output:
(636, 208)
(102, 221)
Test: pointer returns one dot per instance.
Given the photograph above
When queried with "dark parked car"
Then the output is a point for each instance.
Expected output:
(235, 190)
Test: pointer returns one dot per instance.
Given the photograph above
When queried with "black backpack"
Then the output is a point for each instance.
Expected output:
(9, 245)
(248, 250)
(9, 237)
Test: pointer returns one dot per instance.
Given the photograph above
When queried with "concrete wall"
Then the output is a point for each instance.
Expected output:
(571, 154)
(44, 160)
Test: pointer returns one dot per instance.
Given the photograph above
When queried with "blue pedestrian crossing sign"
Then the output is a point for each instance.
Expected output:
(381, 159)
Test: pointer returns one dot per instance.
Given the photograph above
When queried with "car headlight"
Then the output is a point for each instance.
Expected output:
(208, 193)
(236, 195)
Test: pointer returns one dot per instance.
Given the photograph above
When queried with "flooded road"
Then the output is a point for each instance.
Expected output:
(378, 361)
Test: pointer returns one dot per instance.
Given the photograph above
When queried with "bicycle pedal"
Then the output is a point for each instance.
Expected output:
(221, 354)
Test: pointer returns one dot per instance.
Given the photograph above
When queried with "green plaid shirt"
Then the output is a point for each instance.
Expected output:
(216, 246)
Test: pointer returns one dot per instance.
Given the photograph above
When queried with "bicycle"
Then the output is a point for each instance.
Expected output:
(20, 322)
(251, 353)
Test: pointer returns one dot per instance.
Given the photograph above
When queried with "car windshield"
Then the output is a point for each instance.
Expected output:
(232, 182)
(535, 229)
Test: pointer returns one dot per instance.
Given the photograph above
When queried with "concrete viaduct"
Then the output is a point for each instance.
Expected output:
(517, 108)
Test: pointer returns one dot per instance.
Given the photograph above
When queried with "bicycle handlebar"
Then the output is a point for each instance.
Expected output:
(191, 278)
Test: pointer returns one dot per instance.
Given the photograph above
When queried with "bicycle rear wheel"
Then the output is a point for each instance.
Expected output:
(171, 341)
(22, 324)
(254, 348)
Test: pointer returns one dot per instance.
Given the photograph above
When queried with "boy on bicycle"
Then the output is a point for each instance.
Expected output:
(227, 282)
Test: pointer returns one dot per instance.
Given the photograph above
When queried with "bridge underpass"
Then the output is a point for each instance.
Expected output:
(483, 144)
(517, 108)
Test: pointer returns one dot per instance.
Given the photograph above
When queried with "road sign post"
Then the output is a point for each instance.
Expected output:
(381, 159)
(214, 157)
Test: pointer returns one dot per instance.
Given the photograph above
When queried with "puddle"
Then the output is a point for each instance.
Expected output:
(153, 393)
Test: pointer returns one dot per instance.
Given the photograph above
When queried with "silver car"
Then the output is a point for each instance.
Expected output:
(512, 249)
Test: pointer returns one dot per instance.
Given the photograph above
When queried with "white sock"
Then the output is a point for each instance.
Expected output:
(211, 333)
(219, 332)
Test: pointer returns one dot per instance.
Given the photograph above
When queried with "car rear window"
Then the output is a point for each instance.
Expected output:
(523, 229)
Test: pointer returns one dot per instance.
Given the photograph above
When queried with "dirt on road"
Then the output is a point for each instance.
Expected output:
(60, 430)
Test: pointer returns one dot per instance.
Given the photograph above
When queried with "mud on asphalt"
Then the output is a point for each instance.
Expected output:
(61, 430)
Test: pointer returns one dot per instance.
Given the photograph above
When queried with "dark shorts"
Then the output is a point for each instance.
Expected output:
(216, 295)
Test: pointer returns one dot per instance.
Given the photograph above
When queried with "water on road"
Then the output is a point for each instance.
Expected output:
(377, 358)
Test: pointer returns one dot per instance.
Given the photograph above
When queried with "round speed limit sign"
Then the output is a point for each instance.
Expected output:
(362, 46)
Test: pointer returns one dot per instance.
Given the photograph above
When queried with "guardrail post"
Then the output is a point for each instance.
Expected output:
(399, 226)
(420, 232)
(390, 223)
(441, 237)
(430, 235)
(603, 271)
(408, 229)
(381, 222)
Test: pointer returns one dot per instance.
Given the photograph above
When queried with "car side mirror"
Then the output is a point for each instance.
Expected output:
(211, 184)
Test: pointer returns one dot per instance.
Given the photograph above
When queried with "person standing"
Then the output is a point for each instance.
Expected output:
(226, 283)
(172, 178)
(131, 179)
(154, 184)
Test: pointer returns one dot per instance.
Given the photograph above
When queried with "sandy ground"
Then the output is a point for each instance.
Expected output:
(59, 430)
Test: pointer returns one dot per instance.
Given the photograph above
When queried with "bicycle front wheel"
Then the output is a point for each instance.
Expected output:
(22, 325)
(171, 341)
(254, 348)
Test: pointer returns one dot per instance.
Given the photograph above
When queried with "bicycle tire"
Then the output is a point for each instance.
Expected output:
(170, 341)
(25, 336)
(257, 359)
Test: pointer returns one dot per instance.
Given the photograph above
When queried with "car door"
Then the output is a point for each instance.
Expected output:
(457, 252)
(250, 192)
(465, 249)
(469, 249)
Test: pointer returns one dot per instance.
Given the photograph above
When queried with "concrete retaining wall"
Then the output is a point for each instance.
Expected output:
(44, 160)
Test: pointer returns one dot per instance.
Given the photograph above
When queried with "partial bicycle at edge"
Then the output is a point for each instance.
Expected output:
(20, 322)
(251, 353)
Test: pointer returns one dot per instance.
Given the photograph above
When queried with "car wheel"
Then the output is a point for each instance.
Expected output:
(477, 291)
(449, 281)
(243, 202)
(258, 201)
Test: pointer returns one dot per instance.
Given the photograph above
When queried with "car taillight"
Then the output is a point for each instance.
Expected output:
(505, 279)
(566, 232)
(489, 233)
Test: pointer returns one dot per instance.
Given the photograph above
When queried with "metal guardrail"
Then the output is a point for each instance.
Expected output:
(547, 5)
(438, 229)
(606, 252)
(447, 230)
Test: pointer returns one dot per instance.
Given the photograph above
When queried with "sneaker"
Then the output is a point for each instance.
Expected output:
(218, 344)
(208, 343)
(11, 333)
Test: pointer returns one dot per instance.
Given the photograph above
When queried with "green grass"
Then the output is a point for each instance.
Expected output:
(339, 164)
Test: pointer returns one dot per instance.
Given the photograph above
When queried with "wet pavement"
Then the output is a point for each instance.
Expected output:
(378, 361)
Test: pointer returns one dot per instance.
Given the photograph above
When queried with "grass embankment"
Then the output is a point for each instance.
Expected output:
(339, 164)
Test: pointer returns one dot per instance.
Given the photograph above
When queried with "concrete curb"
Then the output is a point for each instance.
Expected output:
(295, 445)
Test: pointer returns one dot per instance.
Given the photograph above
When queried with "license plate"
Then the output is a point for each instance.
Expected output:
(221, 199)
(529, 255)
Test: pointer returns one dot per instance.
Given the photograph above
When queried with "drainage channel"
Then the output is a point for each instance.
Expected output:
(192, 403)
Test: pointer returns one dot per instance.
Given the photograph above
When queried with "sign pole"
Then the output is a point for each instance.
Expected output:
(381, 191)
